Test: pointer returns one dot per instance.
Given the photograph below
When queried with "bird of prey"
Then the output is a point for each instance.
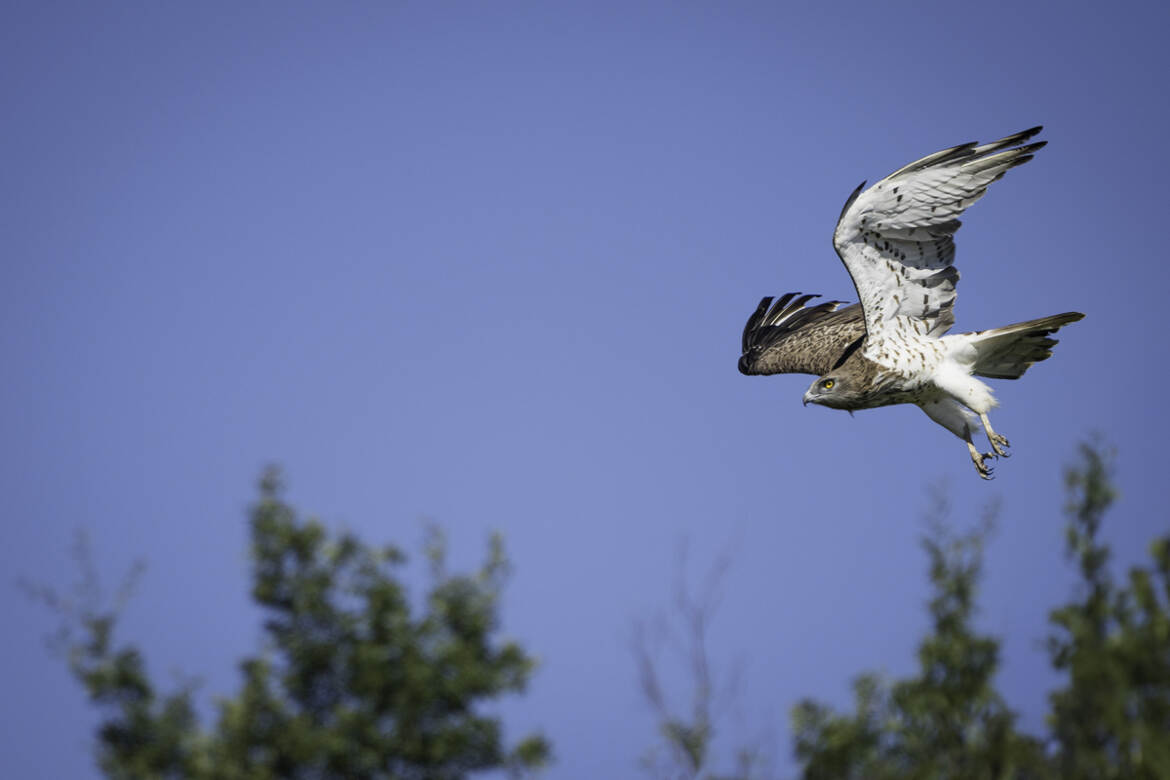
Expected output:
(896, 240)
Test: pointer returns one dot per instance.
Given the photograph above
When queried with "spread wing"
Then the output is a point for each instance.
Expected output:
(788, 338)
(896, 238)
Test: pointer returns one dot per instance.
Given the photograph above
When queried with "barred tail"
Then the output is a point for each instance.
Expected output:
(1006, 353)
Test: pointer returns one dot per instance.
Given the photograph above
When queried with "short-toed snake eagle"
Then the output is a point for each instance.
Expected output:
(896, 240)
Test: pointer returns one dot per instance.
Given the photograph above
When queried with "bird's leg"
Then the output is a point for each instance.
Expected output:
(980, 460)
(998, 443)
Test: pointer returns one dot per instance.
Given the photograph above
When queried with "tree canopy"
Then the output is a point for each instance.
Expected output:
(947, 720)
(352, 681)
(1109, 719)
(1110, 643)
(357, 680)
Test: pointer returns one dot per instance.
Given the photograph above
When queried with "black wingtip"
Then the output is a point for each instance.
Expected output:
(1018, 138)
(852, 198)
(753, 323)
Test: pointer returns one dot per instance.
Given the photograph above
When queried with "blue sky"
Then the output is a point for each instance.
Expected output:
(489, 263)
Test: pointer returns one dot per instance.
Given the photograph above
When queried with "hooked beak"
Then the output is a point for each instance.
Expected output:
(807, 397)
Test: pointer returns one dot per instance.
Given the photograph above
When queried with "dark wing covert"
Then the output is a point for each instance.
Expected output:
(788, 338)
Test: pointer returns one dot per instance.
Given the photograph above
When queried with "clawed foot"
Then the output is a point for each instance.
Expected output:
(982, 466)
(980, 460)
(999, 444)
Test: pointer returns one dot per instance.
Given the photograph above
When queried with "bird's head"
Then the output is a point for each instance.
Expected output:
(833, 390)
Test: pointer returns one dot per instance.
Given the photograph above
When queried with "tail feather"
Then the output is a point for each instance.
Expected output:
(1006, 353)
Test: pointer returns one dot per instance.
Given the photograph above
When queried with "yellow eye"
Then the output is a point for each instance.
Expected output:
(828, 384)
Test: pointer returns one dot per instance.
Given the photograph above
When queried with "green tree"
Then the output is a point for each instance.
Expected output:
(351, 683)
(1109, 720)
(1112, 719)
(945, 722)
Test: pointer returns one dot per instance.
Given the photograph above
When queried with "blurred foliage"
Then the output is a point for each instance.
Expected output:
(945, 722)
(688, 729)
(1110, 720)
(351, 683)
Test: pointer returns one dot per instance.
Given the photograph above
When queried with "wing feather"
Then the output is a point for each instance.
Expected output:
(896, 238)
(788, 337)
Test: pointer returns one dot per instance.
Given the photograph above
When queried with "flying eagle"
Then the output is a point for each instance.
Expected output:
(896, 240)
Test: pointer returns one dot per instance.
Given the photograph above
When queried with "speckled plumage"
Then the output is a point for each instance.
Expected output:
(896, 241)
(789, 338)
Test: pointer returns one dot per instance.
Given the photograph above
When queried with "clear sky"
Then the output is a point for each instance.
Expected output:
(488, 263)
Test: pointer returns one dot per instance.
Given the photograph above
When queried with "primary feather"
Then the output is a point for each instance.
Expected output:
(789, 337)
(896, 238)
